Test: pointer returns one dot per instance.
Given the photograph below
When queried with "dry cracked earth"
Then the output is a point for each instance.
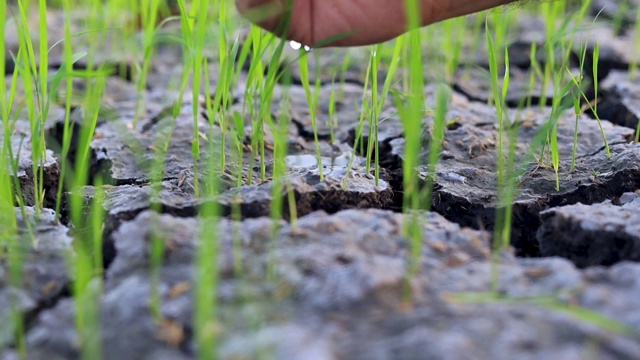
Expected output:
(340, 288)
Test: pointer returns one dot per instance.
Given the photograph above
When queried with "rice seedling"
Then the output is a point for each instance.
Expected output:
(205, 316)
(261, 88)
(411, 114)
(501, 233)
(551, 15)
(619, 18)
(10, 251)
(360, 129)
(280, 185)
(455, 32)
(378, 101)
(576, 102)
(560, 103)
(67, 132)
(346, 63)
(372, 146)
(149, 10)
(26, 61)
(7, 214)
(550, 303)
(504, 159)
(567, 93)
(591, 105)
(88, 270)
(436, 140)
(333, 119)
(256, 71)
(13, 329)
(87, 258)
(312, 98)
(633, 67)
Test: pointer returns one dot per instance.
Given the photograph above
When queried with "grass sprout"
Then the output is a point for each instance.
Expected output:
(312, 98)
(552, 304)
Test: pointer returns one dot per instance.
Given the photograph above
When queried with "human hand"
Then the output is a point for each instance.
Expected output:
(351, 22)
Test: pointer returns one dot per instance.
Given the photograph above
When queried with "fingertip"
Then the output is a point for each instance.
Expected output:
(265, 13)
(244, 5)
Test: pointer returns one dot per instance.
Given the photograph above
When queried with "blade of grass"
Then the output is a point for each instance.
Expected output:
(550, 303)
(411, 115)
(313, 106)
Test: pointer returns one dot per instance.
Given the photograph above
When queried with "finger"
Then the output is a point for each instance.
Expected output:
(266, 13)
(290, 19)
(347, 22)
(364, 22)
(350, 22)
(465, 7)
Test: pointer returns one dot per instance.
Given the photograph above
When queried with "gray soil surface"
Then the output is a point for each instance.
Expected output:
(600, 234)
(338, 292)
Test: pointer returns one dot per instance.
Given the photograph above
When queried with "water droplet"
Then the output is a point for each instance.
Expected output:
(297, 46)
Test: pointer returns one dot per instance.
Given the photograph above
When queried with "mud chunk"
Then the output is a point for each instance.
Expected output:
(597, 234)
(43, 266)
(620, 99)
(340, 189)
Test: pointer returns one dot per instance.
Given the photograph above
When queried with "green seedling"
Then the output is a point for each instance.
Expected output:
(312, 99)
(535, 73)
(576, 82)
(562, 101)
(333, 118)
(576, 98)
(280, 129)
(411, 114)
(552, 304)
(374, 117)
(360, 128)
(378, 100)
(148, 15)
(633, 67)
(436, 140)
(346, 63)
(505, 182)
